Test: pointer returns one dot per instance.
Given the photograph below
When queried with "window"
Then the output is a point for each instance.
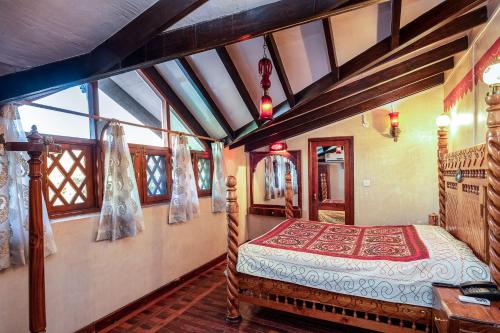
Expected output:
(53, 122)
(156, 175)
(202, 166)
(69, 180)
(176, 124)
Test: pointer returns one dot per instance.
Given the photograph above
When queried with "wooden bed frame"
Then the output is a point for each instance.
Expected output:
(462, 212)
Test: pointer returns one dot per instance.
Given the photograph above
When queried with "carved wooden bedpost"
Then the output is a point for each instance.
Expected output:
(442, 151)
(35, 146)
(233, 307)
(288, 195)
(493, 144)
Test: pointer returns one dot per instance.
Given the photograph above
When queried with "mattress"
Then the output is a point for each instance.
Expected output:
(389, 263)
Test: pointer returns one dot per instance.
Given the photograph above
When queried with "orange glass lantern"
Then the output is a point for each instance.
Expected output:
(266, 108)
(394, 119)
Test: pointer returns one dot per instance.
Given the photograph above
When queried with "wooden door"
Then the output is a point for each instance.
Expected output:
(331, 180)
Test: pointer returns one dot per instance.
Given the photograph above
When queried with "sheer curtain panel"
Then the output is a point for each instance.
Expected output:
(121, 213)
(184, 204)
(14, 196)
(218, 184)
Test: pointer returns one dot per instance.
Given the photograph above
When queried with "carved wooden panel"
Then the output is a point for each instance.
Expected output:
(465, 174)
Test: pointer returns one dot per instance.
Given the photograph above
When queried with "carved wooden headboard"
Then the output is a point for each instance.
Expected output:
(465, 175)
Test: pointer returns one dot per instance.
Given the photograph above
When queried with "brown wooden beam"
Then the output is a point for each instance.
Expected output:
(280, 69)
(381, 51)
(339, 105)
(360, 85)
(104, 58)
(155, 78)
(380, 100)
(205, 95)
(395, 22)
(330, 46)
(238, 82)
(177, 43)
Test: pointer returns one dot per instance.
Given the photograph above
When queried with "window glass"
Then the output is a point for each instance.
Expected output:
(203, 174)
(176, 124)
(156, 175)
(58, 123)
(110, 109)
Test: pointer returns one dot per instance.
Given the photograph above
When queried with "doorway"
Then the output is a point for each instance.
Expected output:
(331, 180)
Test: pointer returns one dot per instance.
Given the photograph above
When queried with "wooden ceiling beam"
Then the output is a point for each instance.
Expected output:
(238, 82)
(103, 59)
(280, 69)
(381, 51)
(330, 46)
(195, 81)
(155, 78)
(390, 73)
(332, 117)
(395, 22)
(297, 122)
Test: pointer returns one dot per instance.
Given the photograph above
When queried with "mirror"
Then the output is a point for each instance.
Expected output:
(268, 172)
(331, 183)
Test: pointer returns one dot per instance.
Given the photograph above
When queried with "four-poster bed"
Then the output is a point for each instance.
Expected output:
(462, 214)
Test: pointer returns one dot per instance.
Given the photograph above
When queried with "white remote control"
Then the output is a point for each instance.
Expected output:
(475, 300)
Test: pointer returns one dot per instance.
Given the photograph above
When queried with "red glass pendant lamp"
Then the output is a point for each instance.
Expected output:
(266, 103)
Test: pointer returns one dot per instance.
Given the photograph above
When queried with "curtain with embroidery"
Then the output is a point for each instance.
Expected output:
(280, 175)
(14, 197)
(218, 184)
(121, 213)
(184, 204)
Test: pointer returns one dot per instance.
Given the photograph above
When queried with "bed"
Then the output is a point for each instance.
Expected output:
(304, 267)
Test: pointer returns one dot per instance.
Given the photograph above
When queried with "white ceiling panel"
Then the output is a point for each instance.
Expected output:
(411, 9)
(246, 56)
(134, 85)
(37, 32)
(356, 31)
(304, 54)
(218, 8)
(216, 80)
(176, 79)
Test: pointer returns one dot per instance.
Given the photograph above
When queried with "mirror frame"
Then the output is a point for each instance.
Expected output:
(275, 210)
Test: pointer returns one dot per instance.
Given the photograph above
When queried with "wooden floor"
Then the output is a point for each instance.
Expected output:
(199, 305)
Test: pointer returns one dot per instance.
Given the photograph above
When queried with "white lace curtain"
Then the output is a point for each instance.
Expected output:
(184, 204)
(121, 213)
(218, 184)
(14, 197)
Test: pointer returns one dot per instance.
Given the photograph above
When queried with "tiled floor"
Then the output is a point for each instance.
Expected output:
(199, 305)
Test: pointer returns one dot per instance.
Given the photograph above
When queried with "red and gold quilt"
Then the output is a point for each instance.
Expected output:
(393, 243)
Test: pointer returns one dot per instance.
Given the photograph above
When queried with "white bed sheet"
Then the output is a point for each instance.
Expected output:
(450, 261)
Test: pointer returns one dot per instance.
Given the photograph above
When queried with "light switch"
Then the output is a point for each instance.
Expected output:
(366, 182)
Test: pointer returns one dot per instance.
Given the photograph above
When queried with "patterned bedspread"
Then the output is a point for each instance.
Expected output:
(395, 264)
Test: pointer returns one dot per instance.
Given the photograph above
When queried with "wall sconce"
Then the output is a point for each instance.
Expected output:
(394, 118)
(278, 147)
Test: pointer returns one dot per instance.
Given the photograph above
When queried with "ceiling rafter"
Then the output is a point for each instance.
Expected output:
(195, 81)
(238, 82)
(176, 43)
(395, 22)
(104, 58)
(154, 77)
(329, 118)
(338, 105)
(280, 69)
(458, 25)
(330, 46)
(358, 86)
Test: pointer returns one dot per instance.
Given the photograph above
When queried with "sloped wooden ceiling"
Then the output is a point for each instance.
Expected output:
(332, 59)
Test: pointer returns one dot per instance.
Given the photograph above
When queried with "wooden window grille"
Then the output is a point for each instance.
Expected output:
(69, 179)
(203, 172)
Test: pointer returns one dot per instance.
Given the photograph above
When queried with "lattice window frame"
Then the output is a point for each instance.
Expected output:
(195, 156)
(86, 163)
